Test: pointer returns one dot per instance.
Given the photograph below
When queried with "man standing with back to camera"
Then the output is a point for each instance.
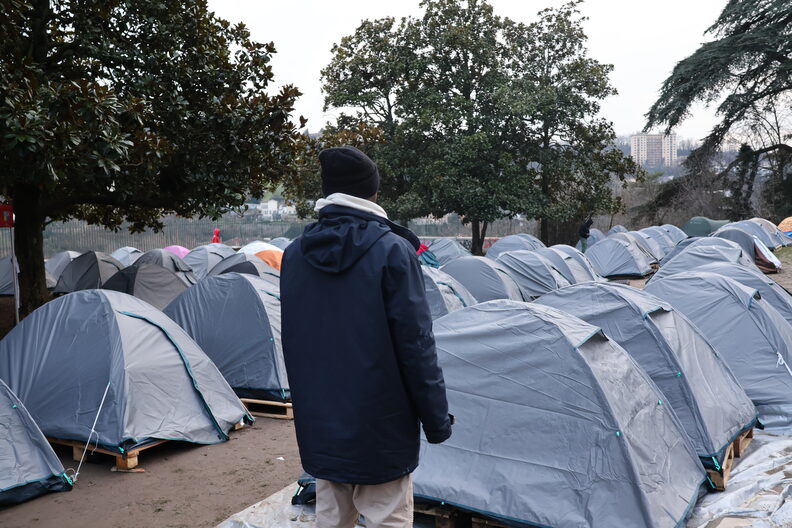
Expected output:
(359, 351)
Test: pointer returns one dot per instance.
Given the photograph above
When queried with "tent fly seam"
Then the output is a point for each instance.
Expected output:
(186, 363)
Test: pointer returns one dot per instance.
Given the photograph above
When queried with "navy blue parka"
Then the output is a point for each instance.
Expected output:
(359, 349)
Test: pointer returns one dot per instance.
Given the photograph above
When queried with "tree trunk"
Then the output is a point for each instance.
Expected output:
(477, 245)
(29, 248)
(544, 231)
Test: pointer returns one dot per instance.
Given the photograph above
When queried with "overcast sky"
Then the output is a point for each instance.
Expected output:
(643, 39)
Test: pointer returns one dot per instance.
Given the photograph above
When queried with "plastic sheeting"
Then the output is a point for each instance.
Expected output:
(89, 270)
(533, 273)
(750, 335)
(60, 359)
(613, 257)
(236, 320)
(447, 249)
(699, 254)
(698, 385)
(126, 255)
(580, 268)
(203, 258)
(249, 264)
(521, 241)
(154, 284)
(556, 425)
(28, 465)
(483, 278)
(444, 293)
(759, 492)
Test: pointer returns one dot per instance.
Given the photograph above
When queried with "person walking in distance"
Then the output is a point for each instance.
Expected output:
(359, 351)
(216, 237)
(585, 232)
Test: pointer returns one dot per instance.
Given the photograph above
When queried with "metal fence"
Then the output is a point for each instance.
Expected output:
(78, 236)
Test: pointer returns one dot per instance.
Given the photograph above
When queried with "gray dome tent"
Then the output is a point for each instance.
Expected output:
(533, 273)
(556, 426)
(645, 243)
(660, 237)
(154, 284)
(444, 293)
(751, 246)
(595, 235)
(447, 249)
(203, 258)
(28, 465)
(696, 255)
(58, 262)
(694, 242)
(618, 228)
(754, 229)
(89, 270)
(614, 257)
(638, 243)
(513, 243)
(483, 278)
(249, 264)
(676, 234)
(236, 319)
(281, 242)
(126, 255)
(781, 238)
(770, 290)
(62, 358)
(698, 385)
(580, 268)
(169, 261)
(750, 335)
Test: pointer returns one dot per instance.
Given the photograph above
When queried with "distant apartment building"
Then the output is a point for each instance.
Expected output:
(654, 150)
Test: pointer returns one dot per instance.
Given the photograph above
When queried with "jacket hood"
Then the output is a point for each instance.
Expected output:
(343, 235)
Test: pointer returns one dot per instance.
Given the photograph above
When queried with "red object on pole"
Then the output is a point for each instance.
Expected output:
(6, 215)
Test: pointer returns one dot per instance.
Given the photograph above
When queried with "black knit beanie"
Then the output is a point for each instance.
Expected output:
(348, 170)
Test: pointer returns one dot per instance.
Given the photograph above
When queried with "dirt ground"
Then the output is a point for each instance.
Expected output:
(183, 486)
(784, 277)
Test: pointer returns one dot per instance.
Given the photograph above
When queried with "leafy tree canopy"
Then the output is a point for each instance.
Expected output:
(124, 110)
(749, 60)
(482, 116)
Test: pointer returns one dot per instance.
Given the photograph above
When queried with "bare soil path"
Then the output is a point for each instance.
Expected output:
(183, 486)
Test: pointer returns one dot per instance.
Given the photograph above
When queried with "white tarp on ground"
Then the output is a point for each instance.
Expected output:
(759, 494)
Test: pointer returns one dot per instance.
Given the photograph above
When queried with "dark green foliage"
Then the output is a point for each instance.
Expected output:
(121, 110)
(749, 60)
(482, 116)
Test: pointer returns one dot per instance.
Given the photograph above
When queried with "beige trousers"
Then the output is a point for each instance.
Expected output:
(388, 505)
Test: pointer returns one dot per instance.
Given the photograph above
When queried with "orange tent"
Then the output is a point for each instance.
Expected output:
(786, 224)
(271, 257)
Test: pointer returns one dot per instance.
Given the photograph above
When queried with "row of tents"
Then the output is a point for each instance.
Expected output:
(583, 401)
(580, 401)
(110, 368)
